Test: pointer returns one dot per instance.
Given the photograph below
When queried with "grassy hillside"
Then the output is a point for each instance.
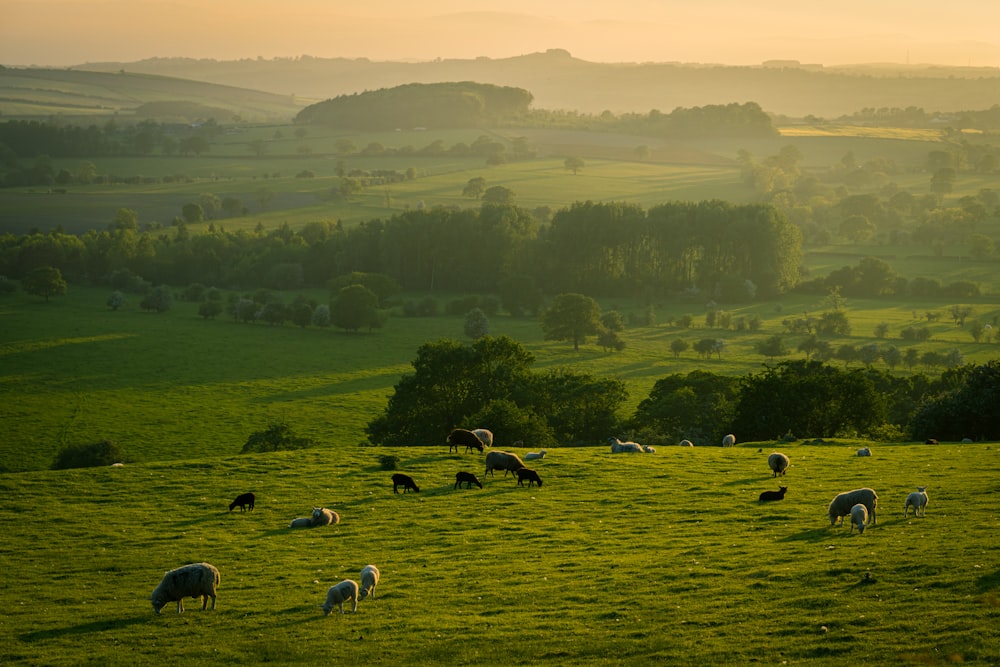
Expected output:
(616, 559)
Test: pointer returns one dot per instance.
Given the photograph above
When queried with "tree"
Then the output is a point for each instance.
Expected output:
(677, 346)
(321, 316)
(477, 324)
(277, 436)
(498, 194)
(356, 306)
(771, 347)
(574, 164)
(193, 213)
(210, 309)
(608, 339)
(116, 300)
(45, 281)
(158, 300)
(571, 317)
(698, 406)
(475, 188)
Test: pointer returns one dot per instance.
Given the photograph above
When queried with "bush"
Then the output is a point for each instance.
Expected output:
(388, 462)
(278, 436)
(93, 455)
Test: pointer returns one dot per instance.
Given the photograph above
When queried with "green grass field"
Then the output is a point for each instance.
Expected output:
(616, 559)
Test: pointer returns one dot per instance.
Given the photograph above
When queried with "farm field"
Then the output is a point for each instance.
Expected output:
(616, 559)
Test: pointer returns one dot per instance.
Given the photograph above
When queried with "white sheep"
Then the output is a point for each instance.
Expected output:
(619, 447)
(729, 440)
(859, 517)
(918, 501)
(301, 522)
(841, 505)
(190, 581)
(686, 443)
(485, 436)
(321, 516)
(345, 591)
(369, 580)
(778, 463)
(649, 449)
(532, 456)
(865, 451)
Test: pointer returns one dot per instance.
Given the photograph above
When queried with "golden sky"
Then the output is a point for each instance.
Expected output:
(738, 32)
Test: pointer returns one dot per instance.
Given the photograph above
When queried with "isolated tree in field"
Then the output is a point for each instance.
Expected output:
(45, 281)
(678, 345)
(116, 300)
(321, 316)
(125, 218)
(571, 317)
(193, 213)
(771, 347)
(609, 340)
(356, 306)
(574, 164)
(474, 188)
(210, 309)
(477, 324)
(158, 300)
(960, 313)
(276, 437)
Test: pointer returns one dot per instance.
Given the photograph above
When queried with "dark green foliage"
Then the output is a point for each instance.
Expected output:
(355, 307)
(116, 300)
(967, 408)
(382, 285)
(45, 281)
(477, 324)
(388, 462)
(698, 406)
(158, 300)
(519, 295)
(277, 436)
(571, 317)
(102, 453)
(210, 309)
(7, 286)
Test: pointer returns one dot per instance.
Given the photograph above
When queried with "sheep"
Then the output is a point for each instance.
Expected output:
(619, 447)
(931, 441)
(534, 456)
(648, 449)
(767, 496)
(243, 500)
(865, 451)
(485, 436)
(729, 440)
(301, 522)
(778, 463)
(528, 474)
(965, 441)
(190, 581)
(321, 516)
(369, 580)
(859, 516)
(468, 479)
(841, 505)
(345, 591)
(506, 461)
(460, 437)
(405, 481)
(918, 501)
(686, 443)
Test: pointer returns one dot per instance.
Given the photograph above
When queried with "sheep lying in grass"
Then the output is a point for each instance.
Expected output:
(345, 591)
(534, 456)
(918, 501)
(859, 517)
(729, 440)
(190, 581)
(778, 463)
(865, 451)
(369, 580)
(243, 500)
(686, 443)
(466, 478)
(405, 481)
(841, 505)
(619, 447)
(649, 449)
(461, 436)
(485, 436)
(767, 496)
(321, 516)
(528, 474)
(301, 522)
(506, 461)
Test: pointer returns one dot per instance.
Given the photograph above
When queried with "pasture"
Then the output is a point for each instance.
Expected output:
(616, 559)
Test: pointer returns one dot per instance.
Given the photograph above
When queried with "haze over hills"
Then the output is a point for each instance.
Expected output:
(557, 80)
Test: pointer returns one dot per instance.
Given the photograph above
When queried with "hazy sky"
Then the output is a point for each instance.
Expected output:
(68, 32)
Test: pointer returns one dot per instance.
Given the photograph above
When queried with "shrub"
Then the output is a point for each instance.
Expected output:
(388, 462)
(277, 436)
(102, 453)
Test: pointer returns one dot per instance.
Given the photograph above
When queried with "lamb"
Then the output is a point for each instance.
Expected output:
(321, 516)
(918, 501)
(534, 456)
(778, 463)
(767, 496)
(859, 516)
(369, 580)
(686, 443)
(506, 461)
(468, 479)
(405, 481)
(528, 474)
(729, 440)
(484, 435)
(865, 451)
(460, 437)
(345, 591)
(648, 449)
(190, 581)
(619, 447)
(301, 522)
(841, 505)
(243, 500)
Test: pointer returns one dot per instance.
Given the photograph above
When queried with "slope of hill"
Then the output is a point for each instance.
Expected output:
(559, 81)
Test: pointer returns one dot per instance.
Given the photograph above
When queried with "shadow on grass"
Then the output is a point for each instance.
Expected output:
(85, 628)
(811, 535)
(988, 582)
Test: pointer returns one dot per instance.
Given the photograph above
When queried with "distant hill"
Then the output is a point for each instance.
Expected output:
(559, 81)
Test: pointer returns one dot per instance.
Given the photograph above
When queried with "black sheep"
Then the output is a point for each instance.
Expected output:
(468, 479)
(528, 474)
(405, 481)
(243, 500)
(773, 495)
(461, 436)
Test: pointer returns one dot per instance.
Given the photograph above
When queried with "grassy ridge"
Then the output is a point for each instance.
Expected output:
(617, 559)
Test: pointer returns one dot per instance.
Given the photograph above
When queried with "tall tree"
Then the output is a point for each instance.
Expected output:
(571, 317)
(45, 281)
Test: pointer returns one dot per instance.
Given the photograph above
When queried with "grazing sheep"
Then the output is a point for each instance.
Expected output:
(619, 447)
(460, 437)
(484, 435)
(778, 463)
(841, 505)
(345, 591)
(859, 517)
(506, 461)
(190, 581)
(243, 500)
(528, 474)
(468, 479)
(918, 501)
(865, 451)
(301, 522)
(686, 443)
(369, 580)
(767, 496)
(321, 516)
(534, 456)
(729, 440)
(405, 481)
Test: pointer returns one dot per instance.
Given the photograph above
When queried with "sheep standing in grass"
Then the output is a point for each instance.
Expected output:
(460, 437)
(345, 591)
(528, 474)
(321, 516)
(859, 517)
(918, 501)
(841, 505)
(190, 581)
(405, 481)
(506, 461)
(466, 478)
(778, 463)
(619, 447)
(534, 456)
(729, 440)
(485, 436)
(243, 500)
(369, 580)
